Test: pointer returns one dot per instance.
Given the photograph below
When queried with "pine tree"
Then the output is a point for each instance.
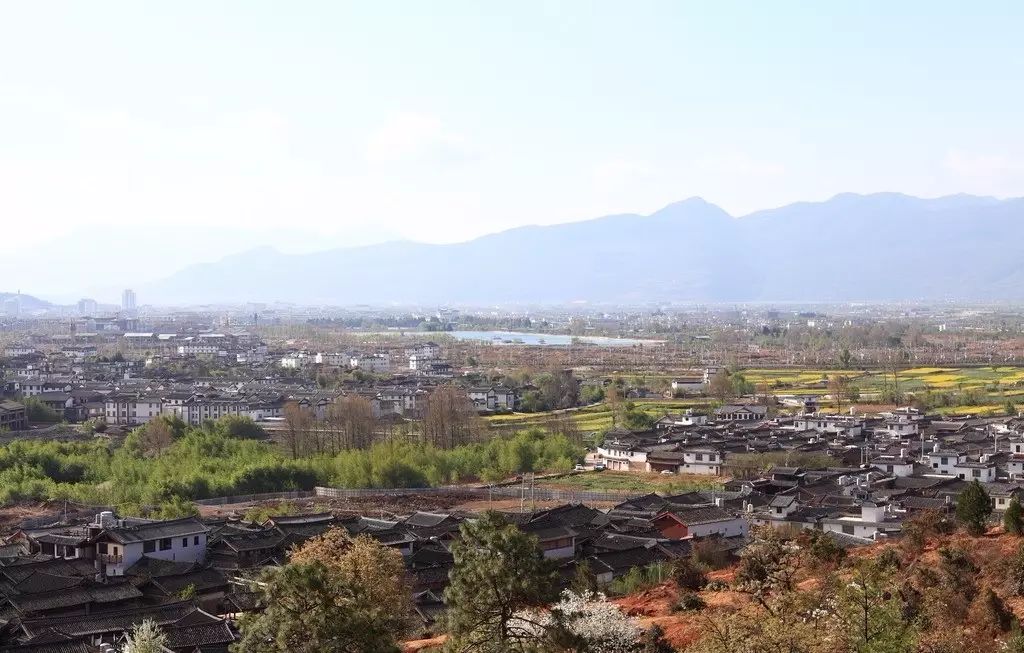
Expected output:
(308, 609)
(584, 581)
(1013, 518)
(498, 572)
(973, 508)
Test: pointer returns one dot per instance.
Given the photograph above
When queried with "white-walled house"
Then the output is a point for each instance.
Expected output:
(686, 418)
(688, 384)
(617, 456)
(944, 461)
(899, 466)
(705, 461)
(1015, 463)
(983, 470)
(874, 520)
(118, 547)
(374, 364)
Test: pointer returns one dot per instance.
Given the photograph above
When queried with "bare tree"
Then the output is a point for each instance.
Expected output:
(451, 419)
(352, 423)
(720, 386)
(156, 436)
(297, 421)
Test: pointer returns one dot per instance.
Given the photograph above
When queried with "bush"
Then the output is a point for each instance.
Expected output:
(711, 552)
(688, 574)
(889, 559)
(822, 548)
(690, 602)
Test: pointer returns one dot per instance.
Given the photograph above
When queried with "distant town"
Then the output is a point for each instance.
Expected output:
(155, 461)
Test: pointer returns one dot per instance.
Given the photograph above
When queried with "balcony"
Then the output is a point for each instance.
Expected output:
(111, 558)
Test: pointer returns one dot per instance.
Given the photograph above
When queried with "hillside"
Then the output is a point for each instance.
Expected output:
(852, 247)
(26, 302)
(928, 582)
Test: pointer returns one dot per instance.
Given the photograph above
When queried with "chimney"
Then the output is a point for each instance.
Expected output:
(935, 448)
(903, 453)
(719, 502)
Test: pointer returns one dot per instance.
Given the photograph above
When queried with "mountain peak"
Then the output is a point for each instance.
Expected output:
(691, 207)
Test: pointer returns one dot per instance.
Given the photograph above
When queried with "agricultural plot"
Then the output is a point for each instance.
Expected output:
(595, 418)
(987, 388)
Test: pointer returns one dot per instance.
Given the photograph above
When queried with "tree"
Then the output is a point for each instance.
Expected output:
(720, 386)
(872, 612)
(451, 419)
(352, 423)
(37, 411)
(307, 609)
(366, 563)
(845, 359)
(767, 565)
(973, 508)
(156, 437)
(145, 637)
(297, 421)
(688, 575)
(583, 622)
(1013, 518)
(559, 389)
(838, 387)
(498, 573)
(584, 581)
(239, 426)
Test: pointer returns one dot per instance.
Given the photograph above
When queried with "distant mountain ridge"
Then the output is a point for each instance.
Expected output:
(880, 247)
(26, 302)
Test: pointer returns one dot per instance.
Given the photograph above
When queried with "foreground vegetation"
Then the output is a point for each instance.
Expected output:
(164, 470)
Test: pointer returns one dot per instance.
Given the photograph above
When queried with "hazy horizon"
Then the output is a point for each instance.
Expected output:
(137, 139)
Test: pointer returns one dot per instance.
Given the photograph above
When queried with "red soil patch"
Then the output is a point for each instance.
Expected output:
(424, 644)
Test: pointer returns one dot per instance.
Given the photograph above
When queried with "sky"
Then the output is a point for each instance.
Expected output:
(138, 137)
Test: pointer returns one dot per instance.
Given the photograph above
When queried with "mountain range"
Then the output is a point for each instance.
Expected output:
(879, 247)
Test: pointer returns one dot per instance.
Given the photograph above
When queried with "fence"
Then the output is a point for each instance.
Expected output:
(506, 491)
(248, 498)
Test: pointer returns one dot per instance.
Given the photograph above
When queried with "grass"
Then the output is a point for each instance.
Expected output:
(635, 482)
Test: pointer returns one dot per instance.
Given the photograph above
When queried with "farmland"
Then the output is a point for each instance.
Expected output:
(947, 390)
(950, 390)
(594, 418)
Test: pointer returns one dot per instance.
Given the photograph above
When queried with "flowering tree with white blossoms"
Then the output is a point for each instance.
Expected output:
(584, 622)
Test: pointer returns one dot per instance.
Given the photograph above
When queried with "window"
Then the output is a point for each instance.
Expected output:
(196, 540)
(184, 542)
(976, 473)
(101, 547)
(149, 547)
(700, 456)
(945, 461)
(165, 544)
(848, 529)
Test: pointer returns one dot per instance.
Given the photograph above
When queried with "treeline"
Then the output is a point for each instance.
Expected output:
(167, 469)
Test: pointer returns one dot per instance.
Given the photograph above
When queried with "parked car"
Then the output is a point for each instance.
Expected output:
(579, 468)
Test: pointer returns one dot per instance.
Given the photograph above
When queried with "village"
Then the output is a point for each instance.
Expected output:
(711, 459)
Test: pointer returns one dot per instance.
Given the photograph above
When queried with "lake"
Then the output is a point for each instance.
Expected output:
(522, 338)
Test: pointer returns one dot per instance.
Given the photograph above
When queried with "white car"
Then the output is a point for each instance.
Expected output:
(579, 468)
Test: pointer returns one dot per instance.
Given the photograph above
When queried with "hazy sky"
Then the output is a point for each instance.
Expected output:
(306, 123)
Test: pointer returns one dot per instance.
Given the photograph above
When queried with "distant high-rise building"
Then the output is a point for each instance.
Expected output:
(128, 300)
(87, 306)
